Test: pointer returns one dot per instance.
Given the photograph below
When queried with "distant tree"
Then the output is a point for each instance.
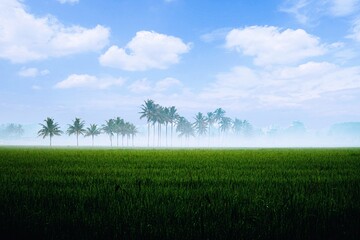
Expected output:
(247, 128)
(148, 112)
(92, 131)
(12, 130)
(210, 120)
(132, 131)
(119, 129)
(237, 126)
(200, 124)
(185, 128)
(50, 128)
(225, 124)
(109, 128)
(173, 117)
(296, 128)
(77, 128)
(219, 113)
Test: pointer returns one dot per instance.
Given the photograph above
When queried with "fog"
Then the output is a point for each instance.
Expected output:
(259, 138)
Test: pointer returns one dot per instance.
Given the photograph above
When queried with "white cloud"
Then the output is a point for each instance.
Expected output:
(282, 87)
(89, 81)
(147, 50)
(25, 37)
(68, 1)
(270, 45)
(32, 72)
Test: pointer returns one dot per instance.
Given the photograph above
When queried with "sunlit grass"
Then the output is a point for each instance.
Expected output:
(180, 194)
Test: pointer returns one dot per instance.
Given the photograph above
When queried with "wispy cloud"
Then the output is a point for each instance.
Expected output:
(308, 12)
(68, 1)
(89, 81)
(147, 50)
(32, 72)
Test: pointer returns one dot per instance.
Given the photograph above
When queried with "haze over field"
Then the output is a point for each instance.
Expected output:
(273, 63)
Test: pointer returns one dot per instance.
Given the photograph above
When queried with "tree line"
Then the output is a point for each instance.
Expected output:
(211, 124)
(202, 125)
(112, 127)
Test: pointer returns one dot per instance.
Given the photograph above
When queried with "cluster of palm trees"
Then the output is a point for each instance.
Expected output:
(213, 124)
(158, 116)
(112, 127)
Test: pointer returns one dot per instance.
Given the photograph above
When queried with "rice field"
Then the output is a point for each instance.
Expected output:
(179, 194)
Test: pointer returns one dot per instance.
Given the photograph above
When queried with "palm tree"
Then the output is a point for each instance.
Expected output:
(119, 125)
(185, 128)
(132, 131)
(50, 128)
(225, 124)
(200, 124)
(109, 129)
(148, 111)
(210, 120)
(166, 114)
(77, 128)
(92, 131)
(247, 128)
(160, 119)
(218, 114)
(237, 126)
(173, 116)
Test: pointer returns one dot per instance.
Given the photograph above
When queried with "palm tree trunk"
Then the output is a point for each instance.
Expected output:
(117, 139)
(154, 135)
(171, 134)
(50, 141)
(148, 134)
(77, 139)
(92, 140)
(166, 135)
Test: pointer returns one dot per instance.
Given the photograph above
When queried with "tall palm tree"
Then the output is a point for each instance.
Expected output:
(160, 119)
(50, 128)
(173, 116)
(200, 124)
(92, 131)
(218, 114)
(119, 125)
(109, 129)
(148, 112)
(210, 120)
(76, 128)
(166, 114)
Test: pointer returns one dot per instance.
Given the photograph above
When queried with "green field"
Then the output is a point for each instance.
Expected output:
(180, 194)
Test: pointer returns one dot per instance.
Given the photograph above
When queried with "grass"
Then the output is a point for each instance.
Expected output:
(180, 194)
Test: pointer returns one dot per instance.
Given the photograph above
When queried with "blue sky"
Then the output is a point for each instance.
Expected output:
(270, 62)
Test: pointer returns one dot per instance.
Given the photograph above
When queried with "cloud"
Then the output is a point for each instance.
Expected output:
(283, 86)
(68, 1)
(355, 30)
(343, 7)
(89, 81)
(32, 72)
(25, 37)
(271, 46)
(167, 85)
(308, 11)
(147, 50)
